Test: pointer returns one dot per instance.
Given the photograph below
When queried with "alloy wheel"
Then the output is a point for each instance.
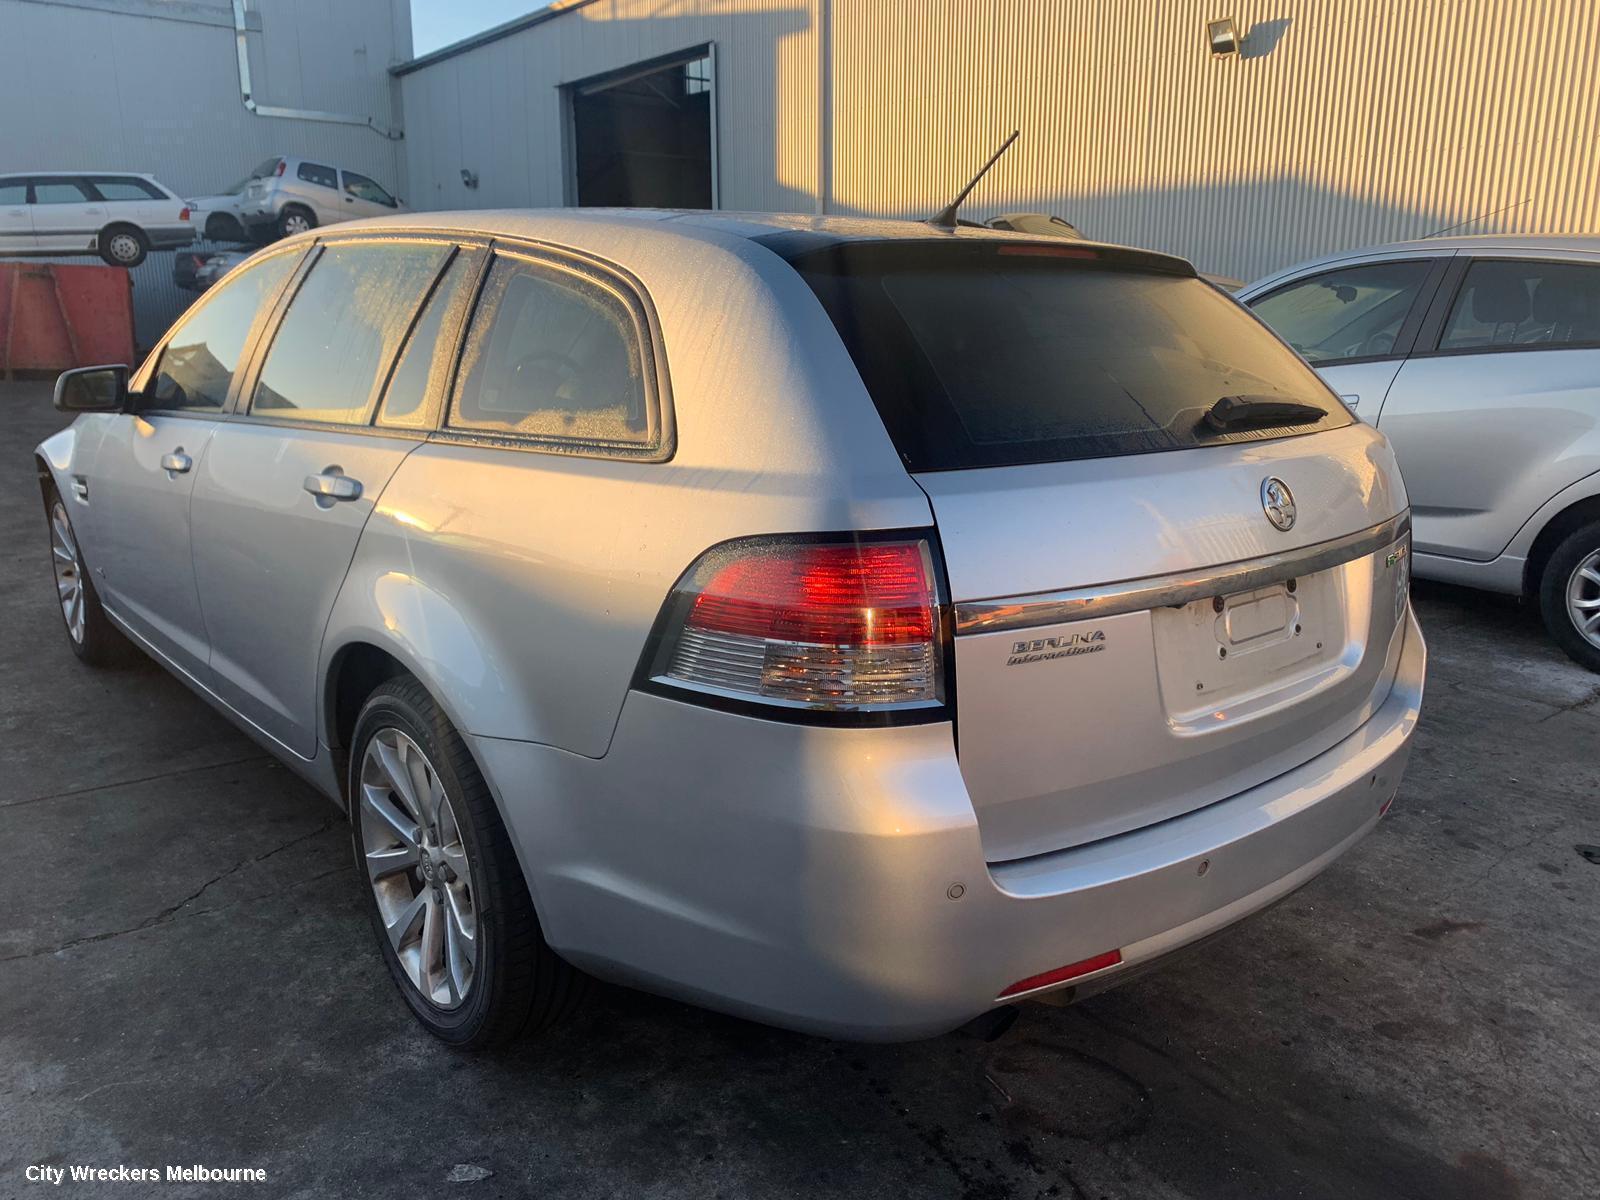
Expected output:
(294, 223)
(69, 572)
(417, 863)
(1583, 598)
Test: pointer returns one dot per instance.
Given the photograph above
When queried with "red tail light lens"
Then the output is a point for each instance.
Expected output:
(840, 627)
(184, 214)
(279, 169)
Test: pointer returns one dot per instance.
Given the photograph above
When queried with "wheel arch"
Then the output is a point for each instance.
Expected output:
(1574, 516)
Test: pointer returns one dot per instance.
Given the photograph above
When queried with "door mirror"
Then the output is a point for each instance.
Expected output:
(92, 389)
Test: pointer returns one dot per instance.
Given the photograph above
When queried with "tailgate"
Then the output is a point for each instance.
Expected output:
(1135, 639)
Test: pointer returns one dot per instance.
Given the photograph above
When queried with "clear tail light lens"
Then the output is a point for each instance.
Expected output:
(850, 626)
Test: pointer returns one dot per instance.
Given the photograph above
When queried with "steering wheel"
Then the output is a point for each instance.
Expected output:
(1379, 343)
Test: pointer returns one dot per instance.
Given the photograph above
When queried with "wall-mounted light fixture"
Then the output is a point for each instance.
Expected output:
(1223, 36)
(469, 179)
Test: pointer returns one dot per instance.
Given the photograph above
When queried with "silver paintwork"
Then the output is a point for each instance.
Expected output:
(1494, 445)
(796, 873)
(418, 866)
(264, 199)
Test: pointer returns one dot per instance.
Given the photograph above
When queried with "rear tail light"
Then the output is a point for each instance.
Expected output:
(279, 169)
(184, 214)
(851, 626)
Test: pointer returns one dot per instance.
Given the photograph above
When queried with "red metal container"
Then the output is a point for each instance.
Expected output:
(54, 316)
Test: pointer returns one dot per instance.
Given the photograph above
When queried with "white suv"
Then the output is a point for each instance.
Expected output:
(285, 196)
(117, 215)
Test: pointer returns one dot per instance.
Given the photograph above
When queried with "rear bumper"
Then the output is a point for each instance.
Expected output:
(833, 880)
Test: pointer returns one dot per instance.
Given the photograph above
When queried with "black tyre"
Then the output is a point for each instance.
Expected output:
(446, 895)
(295, 218)
(123, 245)
(1569, 595)
(220, 227)
(90, 633)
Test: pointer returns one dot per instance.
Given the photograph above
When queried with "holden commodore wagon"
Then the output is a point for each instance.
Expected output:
(853, 625)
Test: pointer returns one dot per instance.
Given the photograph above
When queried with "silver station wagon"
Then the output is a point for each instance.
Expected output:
(853, 625)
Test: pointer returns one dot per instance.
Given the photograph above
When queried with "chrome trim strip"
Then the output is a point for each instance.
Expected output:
(1170, 591)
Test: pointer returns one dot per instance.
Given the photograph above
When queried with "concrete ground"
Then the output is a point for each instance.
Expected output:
(186, 976)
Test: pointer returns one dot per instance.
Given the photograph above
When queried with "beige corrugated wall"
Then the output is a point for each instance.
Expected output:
(1343, 122)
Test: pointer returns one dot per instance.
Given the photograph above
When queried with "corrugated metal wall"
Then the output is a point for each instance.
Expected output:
(140, 86)
(1343, 122)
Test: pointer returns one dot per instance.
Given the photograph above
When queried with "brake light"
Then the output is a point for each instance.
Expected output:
(279, 169)
(846, 626)
(1077, 970)
(1035, 250)
(183, 214)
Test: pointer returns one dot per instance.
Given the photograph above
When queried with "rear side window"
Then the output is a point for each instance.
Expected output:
(553, 354)
(13, 191)
(200, 357)
(319, 175)
(266, 170)
(123, 187)
(1510, 304)
(420, 373)
(1351, 313)
(60, 191)
(987, 354)
(342, 328)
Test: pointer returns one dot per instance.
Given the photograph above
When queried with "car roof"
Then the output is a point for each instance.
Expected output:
(78, 175)
(1536, 242)
(783, 232)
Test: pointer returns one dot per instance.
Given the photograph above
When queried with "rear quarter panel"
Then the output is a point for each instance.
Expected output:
(522, 585)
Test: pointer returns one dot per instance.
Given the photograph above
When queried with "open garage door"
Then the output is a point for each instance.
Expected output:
(645, 136)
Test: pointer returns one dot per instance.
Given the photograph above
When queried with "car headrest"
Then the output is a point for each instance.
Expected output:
(1560, 300)
(1500, 300)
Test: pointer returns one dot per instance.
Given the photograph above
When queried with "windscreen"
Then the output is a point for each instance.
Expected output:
(992, 353)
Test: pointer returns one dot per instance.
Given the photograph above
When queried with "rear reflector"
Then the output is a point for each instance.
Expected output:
(833, 627)
(1061, 974)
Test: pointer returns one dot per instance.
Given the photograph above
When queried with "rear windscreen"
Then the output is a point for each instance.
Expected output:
(993, 354)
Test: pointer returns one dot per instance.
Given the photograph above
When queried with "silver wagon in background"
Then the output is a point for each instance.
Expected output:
(1479, 357)
(850, 624)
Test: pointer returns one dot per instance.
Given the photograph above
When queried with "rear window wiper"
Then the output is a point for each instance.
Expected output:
(1235, 412)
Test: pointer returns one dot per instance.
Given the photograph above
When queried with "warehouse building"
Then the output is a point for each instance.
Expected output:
(196, 93)
(1292, 129)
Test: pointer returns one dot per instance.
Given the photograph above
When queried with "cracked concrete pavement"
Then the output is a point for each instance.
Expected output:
(186, 976)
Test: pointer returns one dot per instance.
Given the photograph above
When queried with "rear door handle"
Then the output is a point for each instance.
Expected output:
(333, 487)
(177, 462)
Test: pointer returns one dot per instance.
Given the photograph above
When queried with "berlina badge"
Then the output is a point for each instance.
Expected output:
(1278, 502)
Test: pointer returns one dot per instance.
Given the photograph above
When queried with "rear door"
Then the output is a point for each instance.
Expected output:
(1495, 411)
(1152, 614)
(16, 225)
(66, 215)
(1356, 322)
(317, 185)
(139, 469)
(286, 488)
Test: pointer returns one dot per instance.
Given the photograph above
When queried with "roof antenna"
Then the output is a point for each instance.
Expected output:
(947, 218)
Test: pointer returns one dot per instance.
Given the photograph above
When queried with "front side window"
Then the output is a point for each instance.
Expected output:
(319, 175)
(122, 187)
(13, 191)
(1505, 303)
(363, 188)
(199, 359)
(552, 354)
(342, 328)
(1355, 312)
(59, 191)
